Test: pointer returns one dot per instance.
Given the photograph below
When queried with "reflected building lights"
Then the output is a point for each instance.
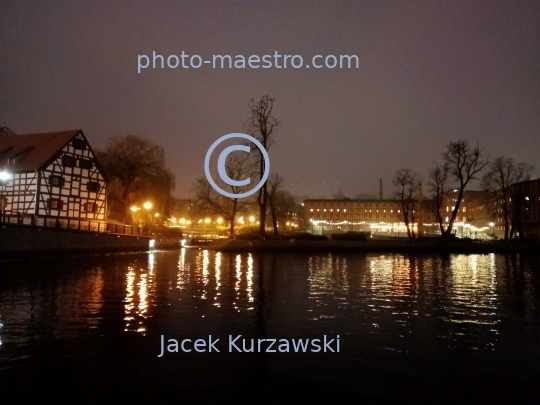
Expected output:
(205, 272)
(217, 265)
(140, 290)
(250, 277)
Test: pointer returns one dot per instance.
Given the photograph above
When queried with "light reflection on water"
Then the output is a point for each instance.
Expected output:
(392, 301)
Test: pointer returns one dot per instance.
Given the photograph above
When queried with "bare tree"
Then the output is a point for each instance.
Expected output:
(137, 171)
(502, 182)
(437, 186)
(261, 125)
(275, 181)
(463, 164)
(284, 204)
(407, 184)
(211, 201)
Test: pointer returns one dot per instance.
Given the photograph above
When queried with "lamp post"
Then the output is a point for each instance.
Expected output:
(147, 205)
(492, 230)
(134, 209)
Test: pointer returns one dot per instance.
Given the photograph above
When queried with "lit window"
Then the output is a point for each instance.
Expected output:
(54, 204)
(90, 207)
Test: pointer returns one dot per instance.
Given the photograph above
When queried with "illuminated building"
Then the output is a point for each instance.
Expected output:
(51, 174)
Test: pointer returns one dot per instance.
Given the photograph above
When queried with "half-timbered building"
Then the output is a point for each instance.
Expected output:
(51, 174)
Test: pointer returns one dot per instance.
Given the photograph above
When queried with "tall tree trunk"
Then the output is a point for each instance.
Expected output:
(233, 217)
(125, 202)
(263, 204)
(274, 217)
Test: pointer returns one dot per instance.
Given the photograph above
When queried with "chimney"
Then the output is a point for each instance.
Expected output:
(380, 190)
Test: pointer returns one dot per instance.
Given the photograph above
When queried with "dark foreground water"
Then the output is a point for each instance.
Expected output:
(413, 329)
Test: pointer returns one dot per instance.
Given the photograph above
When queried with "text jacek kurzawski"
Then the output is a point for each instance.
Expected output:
(239, 344)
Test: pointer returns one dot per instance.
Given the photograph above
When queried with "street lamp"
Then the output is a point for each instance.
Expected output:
(147, 205)
(492, 225)
(5, 176)
(134, 210)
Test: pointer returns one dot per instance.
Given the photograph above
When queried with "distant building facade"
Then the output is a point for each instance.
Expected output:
(51, 174)
(332, 215)
(478, 216)
(524, 208)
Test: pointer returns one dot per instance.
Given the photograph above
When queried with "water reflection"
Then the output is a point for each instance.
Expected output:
(396, 302)
(140, 292)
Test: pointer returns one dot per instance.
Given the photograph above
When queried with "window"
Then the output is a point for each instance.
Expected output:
(68, 161)
(79, 144)
(86, 163)
(90, 207)
(92, 186)
(11, 161)
(56, 181)
(54, 204)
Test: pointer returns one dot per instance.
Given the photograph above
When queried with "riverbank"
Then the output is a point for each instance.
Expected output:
(374, 246)
(23, 240)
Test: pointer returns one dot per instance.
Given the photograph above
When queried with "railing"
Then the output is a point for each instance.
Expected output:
(71, 224)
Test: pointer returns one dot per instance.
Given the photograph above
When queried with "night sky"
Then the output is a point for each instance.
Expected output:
(430, 72)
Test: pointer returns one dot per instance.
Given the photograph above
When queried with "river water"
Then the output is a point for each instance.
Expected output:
(412, 328)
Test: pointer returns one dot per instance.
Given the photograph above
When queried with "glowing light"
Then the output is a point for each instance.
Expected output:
(241, 220)
(220, 220)
(188, 222)
(156, 215)
(207, 220)
(252, 219)
(147, 205)
(491, 224)
(4, 176)
(182, 220)
(134, 208)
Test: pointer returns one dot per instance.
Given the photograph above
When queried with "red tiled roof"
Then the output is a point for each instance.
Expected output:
(32, 151)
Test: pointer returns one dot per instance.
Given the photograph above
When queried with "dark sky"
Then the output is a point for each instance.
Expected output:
(430, 72)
